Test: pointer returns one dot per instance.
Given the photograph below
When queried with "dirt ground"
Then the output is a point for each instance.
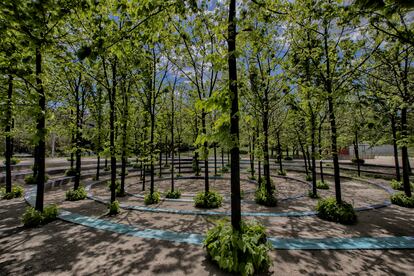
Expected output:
(62, 248)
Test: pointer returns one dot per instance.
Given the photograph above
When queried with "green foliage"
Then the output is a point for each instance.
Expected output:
(243, 252)
(401, 199)
(136, 165)
(356, 161)
(308, 177)
(107, 169)
(17, 191)
(174, 195)
(13, 161)
(70, 159)
(74, 195)
(263, 197)
(212, 199)
(329, 209)
(398, 185)
(70, 172)
(225, 169)
(29, 179)
(33, 218)
(120, 172)
(322, 185)
(113, 208)
(196, 169)
(153, 198)
(241, 194)
(288, 158)
(117, 187)
(312, 195)
(281, 172)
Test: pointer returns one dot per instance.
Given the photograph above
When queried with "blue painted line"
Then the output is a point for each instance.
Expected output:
(402, 242)
(356, 243)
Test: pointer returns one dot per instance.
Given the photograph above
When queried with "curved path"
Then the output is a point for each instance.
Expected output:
(401, 242)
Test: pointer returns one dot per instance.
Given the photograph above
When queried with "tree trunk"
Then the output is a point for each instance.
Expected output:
(77, 135)
(404, 153)
(234, 119)
(320, 150)
(152, 168)
(172, 138)
(279, 152)
(204, 130)
(215, 159)
(313, 153)
(112, 119)
(266, 165)
(124, 157)
(41, 132)
(9, 117)
(356, 151)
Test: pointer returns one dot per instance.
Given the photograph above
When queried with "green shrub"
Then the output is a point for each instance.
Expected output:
(107, 169)
(117, 187)
(70, 159)
(33, 218)
(70, 172)
(136, 165)
(196, 169)
(252, 177)
(356, 161)
(262, 196)
(113, 208)
(312, 195)
(50, 213)
(13, 161)
(329, 209)
(288, 158)
(243, 151)
(225, 169)
(281, 172)
(120, 172)
(243, 252)
(308, 177)
(398, 185)
(174, 195)
(74, 195)
(401, 199)
(29, 179)
(153, 198)
(322, 185)
(17, 191)
(212, 199)
(241, 194)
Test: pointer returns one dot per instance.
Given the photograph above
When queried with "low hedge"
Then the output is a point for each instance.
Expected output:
(263, 197)
(398, 185)
(33, 218)
(17, 191)
(153, 198)
(74, 195)
(401, 199)
(13, 161)
(329, 209)
(243, 252)
(212, 199)
(173, 195)
(322, 185)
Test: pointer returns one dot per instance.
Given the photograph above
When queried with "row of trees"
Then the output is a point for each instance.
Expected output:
(140, 77)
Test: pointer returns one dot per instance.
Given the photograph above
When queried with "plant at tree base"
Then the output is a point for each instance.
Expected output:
(210, 200)
(153, 198)
(322, 185)
(33, 218)
(398, 185)
(312, 195)
(243, 252)
(174, 195)
(117, 188)
(113, 208)
(401, 199)
(29, 179)
(308, 177)
(13, 161)
(263, 197)
(78, 194)
(70, 172)
(17, 191)
(281, 172)
(329, 209)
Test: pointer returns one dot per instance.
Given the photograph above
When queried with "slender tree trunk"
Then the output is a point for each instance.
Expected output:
(160, 163)
(78, 135)
(313, 153)
(124, 157)
(234, 119)
(99, 146)
(112, 119)
(356, 151)
(9, 151)
(404, 153)
(266, 165)
(179, 155)
(172, 138)
(41, 132)
(215, 159)
(152, 167)
(222, 160)
(279, 152)
(303, 153)
(204, 130)
(320, 151)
